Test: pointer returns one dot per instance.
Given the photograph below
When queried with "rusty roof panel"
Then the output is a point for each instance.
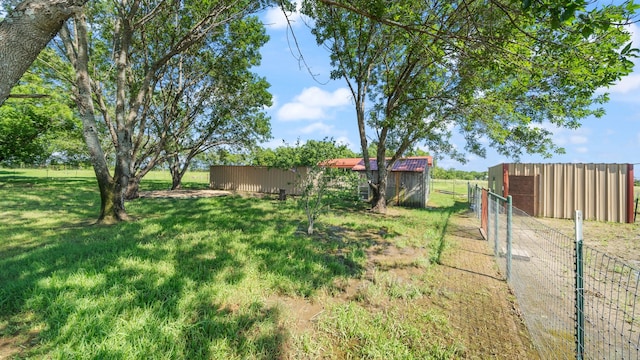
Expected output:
(344, 163)
(411, 164)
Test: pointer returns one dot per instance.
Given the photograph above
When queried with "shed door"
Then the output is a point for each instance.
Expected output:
(524, 192)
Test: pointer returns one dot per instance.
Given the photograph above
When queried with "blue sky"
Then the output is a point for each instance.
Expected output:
(314, 107)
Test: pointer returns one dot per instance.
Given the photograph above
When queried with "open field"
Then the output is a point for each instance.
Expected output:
(235, 277)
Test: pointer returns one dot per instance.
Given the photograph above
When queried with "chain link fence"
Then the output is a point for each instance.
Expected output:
(577, 302)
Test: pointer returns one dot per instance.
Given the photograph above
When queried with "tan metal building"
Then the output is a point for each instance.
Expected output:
(258, 179)
(407, 184)
(602, 192)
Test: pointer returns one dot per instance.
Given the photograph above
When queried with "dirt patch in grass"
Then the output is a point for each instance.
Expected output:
(183, 194)
(13, 345)
(9, 347)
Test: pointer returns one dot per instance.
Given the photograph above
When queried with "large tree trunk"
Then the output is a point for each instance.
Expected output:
(379, 189)
(379, 201)
(133, 189)
(27, 30)
(176, 181)
(111, 194)
(177, 172)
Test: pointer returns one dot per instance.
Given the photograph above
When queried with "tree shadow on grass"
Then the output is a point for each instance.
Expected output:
(438, 244)
(106, 291)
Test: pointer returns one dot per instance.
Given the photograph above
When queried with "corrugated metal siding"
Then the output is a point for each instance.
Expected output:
(599, 190)
(407, 188)
(495, 179)
(413, 186)
(255, 179)
(415, 164)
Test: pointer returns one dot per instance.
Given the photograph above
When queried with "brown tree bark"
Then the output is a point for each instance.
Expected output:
(379, 200)
(111, 193)
(27, 30)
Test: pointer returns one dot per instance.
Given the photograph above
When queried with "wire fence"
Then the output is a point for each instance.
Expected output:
(577, 302)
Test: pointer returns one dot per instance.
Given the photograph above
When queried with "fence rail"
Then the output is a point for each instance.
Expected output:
(577, 302)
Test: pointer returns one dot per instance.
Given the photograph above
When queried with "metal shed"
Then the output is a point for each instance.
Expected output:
(408, 181)
(602, 192)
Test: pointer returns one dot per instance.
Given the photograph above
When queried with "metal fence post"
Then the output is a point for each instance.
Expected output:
(579, 288)
(477, 202)
(475, 199)
(489, 220)
(509, 235)
(495, 227)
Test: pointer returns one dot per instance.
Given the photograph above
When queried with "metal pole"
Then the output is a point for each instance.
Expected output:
(509, 235)
(489, 224)
(478, 202)
(579, 288)
(495, 226)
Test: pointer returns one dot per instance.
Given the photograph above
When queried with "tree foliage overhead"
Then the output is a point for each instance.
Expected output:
(209, 98)
(37, 121)
(499, 72)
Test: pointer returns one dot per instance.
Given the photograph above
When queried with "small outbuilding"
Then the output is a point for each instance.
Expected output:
(407, 183)
(602, 192)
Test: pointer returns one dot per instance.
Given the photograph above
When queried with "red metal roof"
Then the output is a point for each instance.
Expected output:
(345, 163)
(410, 164)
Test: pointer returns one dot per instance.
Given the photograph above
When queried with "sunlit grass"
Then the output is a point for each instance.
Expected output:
(398, 332)
(192, 278)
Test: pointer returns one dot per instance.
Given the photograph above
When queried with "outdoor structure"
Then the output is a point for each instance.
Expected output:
(259, 179)
(407, 183)
(602, 192)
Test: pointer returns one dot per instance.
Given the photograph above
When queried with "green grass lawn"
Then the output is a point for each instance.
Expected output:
(192, 278)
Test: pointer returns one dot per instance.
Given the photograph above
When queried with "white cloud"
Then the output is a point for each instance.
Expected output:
(627, 85)
(299, 111)
(276, 19)
(563, 136)
(316, 128)
(626, 89)
(582, 149)
(315, 96)
(578, 139)
(343, 140)
(312, 104)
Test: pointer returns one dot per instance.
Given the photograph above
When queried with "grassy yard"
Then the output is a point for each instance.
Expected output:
(213, 278)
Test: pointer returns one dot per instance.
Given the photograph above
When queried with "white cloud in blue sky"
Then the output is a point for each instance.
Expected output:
(317, 128)
(313, 104)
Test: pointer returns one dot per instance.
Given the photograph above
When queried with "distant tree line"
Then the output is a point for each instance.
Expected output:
(449, 174)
